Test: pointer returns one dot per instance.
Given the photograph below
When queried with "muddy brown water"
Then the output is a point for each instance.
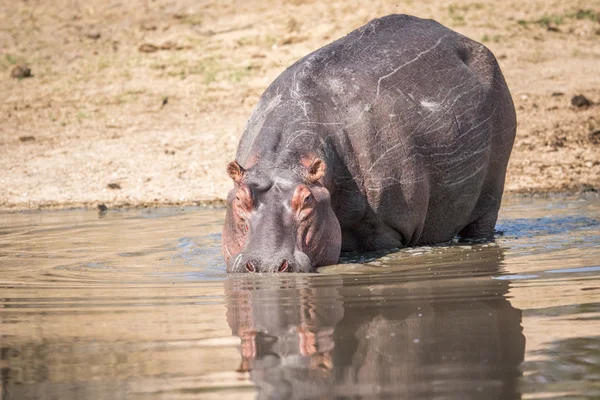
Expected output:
(135, 304)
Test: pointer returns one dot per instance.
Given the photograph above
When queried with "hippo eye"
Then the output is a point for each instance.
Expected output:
(308, 199)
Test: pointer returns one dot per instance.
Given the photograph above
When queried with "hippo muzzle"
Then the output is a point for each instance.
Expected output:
(279, 221)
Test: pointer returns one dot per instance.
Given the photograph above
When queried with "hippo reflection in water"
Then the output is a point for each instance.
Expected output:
(382, 337)
(396, 135)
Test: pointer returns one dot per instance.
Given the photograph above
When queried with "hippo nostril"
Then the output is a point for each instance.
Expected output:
(250, 267)
(284, 266)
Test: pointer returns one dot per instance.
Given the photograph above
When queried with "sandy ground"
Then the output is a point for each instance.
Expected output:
(143, 102)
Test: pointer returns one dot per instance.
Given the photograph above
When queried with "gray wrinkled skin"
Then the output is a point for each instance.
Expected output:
(414, 122)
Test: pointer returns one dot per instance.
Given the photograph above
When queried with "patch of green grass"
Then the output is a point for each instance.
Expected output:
(262, 41)
(270, 40)
(193, 19)
(454, 8)
(82, 115)
(582, 53)
(493, 38)
(239, 74)
(456, 14)
(177, 72)
(548, 20)
(129, 96)
(459, 20)
(208, 68)
(9, 60)
(585, 14)
(12, 60)
(209, 76)
(135, 91)
(556, 19)
(103, 64)
(247, 41)
(213, 68)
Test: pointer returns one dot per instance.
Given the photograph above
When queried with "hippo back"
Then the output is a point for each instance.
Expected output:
(415, 121)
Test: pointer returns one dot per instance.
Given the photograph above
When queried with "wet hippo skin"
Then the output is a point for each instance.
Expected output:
(397, 134)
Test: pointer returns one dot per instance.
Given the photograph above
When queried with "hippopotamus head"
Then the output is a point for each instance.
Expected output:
(279, 219)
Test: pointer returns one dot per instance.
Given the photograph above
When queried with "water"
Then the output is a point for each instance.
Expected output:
(135, 304)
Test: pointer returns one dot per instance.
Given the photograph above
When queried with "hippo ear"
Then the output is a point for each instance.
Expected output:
(316, 170)
(235, 171)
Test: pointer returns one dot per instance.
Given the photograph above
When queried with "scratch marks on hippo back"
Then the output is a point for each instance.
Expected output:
(256, 122)
(295, 135)
(431, 105)
(295, 89)
(437, 149)
(407, 63)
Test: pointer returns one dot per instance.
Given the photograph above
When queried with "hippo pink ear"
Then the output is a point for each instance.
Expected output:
(235, 171)
(316, 170)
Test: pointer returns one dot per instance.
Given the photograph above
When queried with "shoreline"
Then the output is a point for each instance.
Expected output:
(221, 204)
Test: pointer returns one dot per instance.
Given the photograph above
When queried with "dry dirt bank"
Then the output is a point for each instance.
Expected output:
(143, 102)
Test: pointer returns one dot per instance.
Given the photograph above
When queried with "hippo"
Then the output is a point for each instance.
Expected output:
(395, 135)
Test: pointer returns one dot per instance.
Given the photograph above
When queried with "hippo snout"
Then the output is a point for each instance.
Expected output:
(281, 263)
(257, 265)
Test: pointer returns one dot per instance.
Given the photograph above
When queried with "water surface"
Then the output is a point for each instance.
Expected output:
(135, 304)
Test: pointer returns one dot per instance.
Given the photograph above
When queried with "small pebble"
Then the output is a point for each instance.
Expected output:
(147, 48)
(594, 137)
(20, 72)
(580, 101)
